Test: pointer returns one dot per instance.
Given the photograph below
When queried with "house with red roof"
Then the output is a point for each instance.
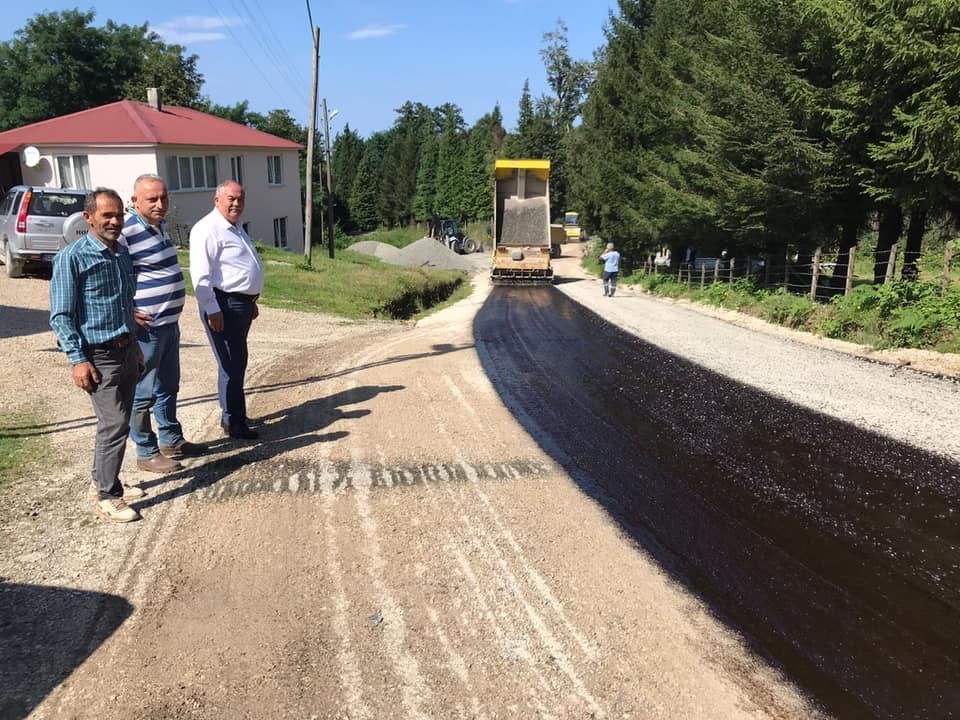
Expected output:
(111, 145)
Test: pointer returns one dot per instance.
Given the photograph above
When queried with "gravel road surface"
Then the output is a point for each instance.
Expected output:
(398, 545)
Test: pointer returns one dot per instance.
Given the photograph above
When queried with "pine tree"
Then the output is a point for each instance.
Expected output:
(450, 197)
(363, 197)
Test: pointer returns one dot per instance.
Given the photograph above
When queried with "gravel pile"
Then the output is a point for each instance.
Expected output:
(425, 252)
(387, 253)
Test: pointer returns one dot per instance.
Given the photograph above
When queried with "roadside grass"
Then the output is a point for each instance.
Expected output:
(899, 314)
(352, 285)
(21, 451)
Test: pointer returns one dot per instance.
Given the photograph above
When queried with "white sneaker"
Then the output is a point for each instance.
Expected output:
(116, 510)
(130, 492)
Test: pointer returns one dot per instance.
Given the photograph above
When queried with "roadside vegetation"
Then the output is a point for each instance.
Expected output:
(900, 314)
(20, 449)
(352, 285)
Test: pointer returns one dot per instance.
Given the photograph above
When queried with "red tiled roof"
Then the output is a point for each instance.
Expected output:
(135, 123)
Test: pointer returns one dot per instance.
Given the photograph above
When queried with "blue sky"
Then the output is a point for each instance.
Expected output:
(374, 54)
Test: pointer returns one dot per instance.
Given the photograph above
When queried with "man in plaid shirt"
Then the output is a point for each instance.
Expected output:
(91, 313)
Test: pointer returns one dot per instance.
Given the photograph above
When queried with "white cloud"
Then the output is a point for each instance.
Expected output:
(195, 29)
(375, 31)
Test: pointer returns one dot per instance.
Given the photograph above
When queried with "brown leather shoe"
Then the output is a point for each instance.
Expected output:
(184, 449)
(158, 464)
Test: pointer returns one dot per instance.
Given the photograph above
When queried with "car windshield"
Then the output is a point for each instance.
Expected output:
(570, 219)
(55, 204)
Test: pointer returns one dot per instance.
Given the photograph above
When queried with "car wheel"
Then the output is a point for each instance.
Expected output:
(14, 267)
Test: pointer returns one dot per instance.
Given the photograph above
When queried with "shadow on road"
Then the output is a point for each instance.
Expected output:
(20, 322)
(45, 634)
(48, 428)
(280, 432)
(832, 549)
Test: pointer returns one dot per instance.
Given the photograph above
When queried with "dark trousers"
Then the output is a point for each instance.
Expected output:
(112, 401)
(230, 349)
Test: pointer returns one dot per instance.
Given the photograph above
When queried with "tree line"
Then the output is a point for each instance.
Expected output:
(774, 126)
(429, 163)
(763, 127)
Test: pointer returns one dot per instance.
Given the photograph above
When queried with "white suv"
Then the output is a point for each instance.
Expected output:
(36, 223)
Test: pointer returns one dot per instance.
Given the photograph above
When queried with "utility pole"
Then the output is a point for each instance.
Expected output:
(308, 206)
(326, 142)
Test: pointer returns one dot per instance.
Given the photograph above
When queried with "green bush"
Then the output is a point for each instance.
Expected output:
(783, 308)
(913, 327)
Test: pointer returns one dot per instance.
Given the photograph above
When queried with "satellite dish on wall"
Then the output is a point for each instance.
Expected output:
(31, 156)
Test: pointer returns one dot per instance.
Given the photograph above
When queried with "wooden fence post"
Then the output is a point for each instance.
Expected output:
(815, 274)
(891, 264)
(947, 260)
(703, 276)
(786, 271)
(733, 262)
(716, 270)
(850, 263)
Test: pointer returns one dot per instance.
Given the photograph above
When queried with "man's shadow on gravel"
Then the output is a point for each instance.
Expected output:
(20, 322)
(280, 431)
(47, 633)
(37, 429)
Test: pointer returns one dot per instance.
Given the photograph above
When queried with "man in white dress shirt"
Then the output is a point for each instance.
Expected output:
(227, 279)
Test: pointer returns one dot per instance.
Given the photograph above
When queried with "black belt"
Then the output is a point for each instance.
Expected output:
(115, 344)
(237, 295)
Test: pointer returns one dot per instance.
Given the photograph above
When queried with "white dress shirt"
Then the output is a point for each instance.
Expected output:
(222, 256)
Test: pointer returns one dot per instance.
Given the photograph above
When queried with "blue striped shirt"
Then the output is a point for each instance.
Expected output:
(160, 287)
(91, 296)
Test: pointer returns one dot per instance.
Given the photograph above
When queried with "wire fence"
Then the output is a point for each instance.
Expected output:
(817, 275)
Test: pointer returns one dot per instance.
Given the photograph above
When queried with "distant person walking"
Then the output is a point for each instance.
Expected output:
(92, 315)
(159, 301)
(227, 279)
(611, 268)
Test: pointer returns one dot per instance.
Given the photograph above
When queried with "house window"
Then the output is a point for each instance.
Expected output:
(191, 172)
(236, 168)
(280, 232)
(274, 170)
(74, 171)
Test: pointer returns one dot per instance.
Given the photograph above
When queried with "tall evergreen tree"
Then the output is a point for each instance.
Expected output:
(424, 200)
(451, 184)
(347, 152)
(363, 195)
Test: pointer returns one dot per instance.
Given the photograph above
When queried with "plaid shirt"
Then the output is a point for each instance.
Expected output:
(91, 296)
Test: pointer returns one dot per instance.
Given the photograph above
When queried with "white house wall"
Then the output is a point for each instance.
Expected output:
(264, 202)
(112, 167)
(118, 167)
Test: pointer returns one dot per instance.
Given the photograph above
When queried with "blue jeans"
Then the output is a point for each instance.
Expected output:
(230, 349)
(157, 390)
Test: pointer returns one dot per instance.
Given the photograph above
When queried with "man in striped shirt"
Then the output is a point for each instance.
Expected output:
(159, 301)
(91, 313)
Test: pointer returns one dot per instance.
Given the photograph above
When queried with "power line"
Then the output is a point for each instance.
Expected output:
(243, 48)
(282, 65)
